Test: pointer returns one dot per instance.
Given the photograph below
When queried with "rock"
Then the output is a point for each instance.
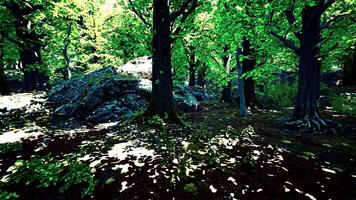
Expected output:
(140, 67)
(113, 94)
(185, 100)
(200, 93)
(80, 96)
(117, 110)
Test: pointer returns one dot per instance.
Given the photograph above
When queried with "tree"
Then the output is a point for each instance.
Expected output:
(162, 83)
(29, 44)
(306, 111)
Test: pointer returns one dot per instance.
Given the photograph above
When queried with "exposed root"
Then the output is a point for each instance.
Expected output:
(315, 124)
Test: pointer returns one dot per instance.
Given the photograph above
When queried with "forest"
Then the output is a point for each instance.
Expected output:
(177, 99)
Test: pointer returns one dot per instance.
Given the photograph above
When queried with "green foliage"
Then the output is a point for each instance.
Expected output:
(191, 188)
(45, 172)
(344, 103)
(282, 94)
(156, 121)
(9, 147)
(5, 195)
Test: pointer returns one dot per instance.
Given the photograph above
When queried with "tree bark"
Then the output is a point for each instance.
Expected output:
(306, 106)
(248, 64)
(162, 91)
(349, 77)
(241, 87)
(201, 77)
(4, 87)
(30, 47)
(226, 94)
(192, 66)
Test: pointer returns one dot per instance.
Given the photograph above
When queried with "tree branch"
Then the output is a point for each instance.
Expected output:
(175, 14)
(332, 20)
(185, 16)
(287, 42)
(138, 14)
(290, 16)
(327, 5)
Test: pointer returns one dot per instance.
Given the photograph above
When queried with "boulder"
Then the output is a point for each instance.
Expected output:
(140, 67)
(185, 100)
(116, 93)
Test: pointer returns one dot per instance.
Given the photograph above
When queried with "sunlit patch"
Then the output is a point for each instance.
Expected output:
(123, 150)
(18, 101)
(328, 170)
(232, 180)
(18, 135)
(286, 189)
(310, 196)
(298, 190)
(212, 189)
(105, 125)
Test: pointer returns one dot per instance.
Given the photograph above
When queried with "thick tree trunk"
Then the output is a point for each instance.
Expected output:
(248, 64)
(306, 106)
(162, 91)
(241, 90)
(4, 87)
(33, 78)
(201, 77)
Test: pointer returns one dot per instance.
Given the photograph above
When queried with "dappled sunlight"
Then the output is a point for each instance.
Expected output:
(18, 135)
(21, 100)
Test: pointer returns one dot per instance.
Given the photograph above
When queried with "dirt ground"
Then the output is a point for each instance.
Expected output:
(218, 155)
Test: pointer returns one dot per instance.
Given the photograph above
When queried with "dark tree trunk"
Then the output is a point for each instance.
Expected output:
(33, 78)
(4, 87)
(30, 46)
(241, 87)
(66, 70)
(226, 94)
(201, 77)
(248, 64)
(162, 91)
(349, 77)
(192, 74)
(306, 106)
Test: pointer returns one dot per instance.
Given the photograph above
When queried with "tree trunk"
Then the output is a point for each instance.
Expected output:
(306, 106)
(201, 77)
(349, 77)
(162, 85)
(241, 88)
(30, 46)
(248, 64)
(4, 87)
(32, 77)
(226, 94)
(192, 74)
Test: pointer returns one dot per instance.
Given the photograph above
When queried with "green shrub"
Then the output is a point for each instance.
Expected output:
(281, 94)
(344, 103)
(45, 171)
(156, 121)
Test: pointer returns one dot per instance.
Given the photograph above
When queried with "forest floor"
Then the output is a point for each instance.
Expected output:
(217, 155)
